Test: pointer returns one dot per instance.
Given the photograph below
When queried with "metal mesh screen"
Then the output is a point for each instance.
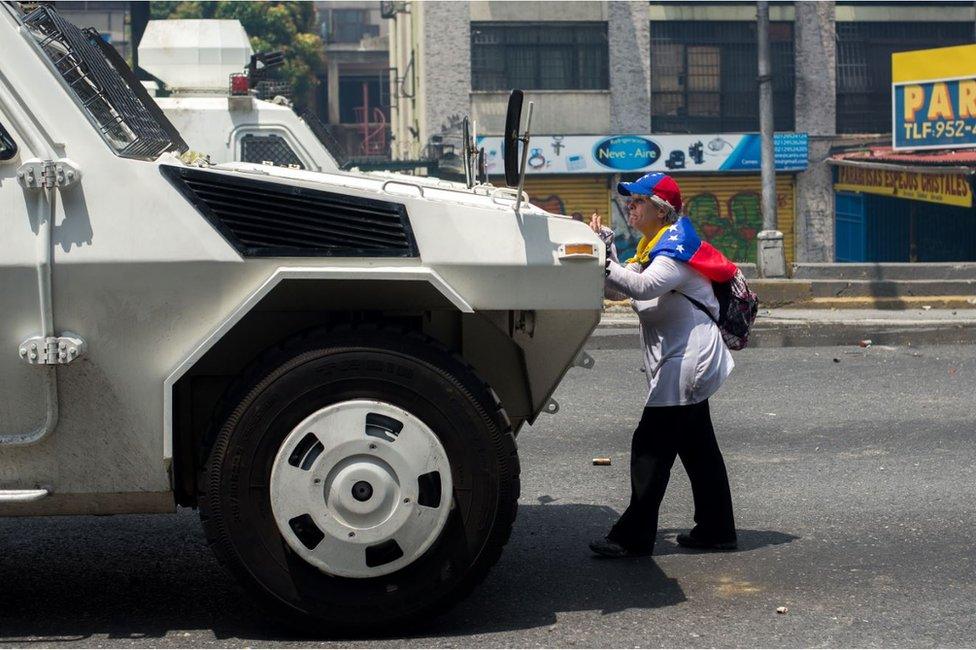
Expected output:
(132, 128)
(326, 138)
(704, 76)
(268, 89)
(267, 149)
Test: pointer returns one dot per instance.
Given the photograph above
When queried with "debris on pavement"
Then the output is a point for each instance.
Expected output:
(782, 610)
(601, 460)
(926, 307)
(865, 343)
(836, 360)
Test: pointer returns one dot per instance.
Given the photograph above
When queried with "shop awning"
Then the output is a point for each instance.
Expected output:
(950, 161)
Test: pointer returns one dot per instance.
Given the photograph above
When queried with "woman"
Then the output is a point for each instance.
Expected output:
(685, 362)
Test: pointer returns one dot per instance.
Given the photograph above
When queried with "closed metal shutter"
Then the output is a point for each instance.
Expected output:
(726, 210)
(571, 195)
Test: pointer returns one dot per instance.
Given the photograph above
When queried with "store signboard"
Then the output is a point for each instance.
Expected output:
(933, 98)
(627, 154)
(947, 189)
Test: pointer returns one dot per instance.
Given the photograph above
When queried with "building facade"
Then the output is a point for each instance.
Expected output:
(616, 68)
(356, 87)
(111, 19)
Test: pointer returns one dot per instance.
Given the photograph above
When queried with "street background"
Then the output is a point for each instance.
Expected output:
(855, 491)
(852, 468)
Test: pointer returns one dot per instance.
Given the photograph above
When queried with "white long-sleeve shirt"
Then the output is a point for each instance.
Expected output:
(685, 358)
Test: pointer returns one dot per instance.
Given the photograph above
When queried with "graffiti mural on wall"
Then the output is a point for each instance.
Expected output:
(732, 230)
(730, 225)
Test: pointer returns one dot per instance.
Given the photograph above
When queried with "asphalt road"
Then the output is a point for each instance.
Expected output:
(854, 483)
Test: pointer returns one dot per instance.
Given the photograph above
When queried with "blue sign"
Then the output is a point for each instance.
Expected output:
(790, 153)
(626, 152)
(935, 114)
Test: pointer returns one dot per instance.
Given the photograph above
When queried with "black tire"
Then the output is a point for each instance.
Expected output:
(323, 368)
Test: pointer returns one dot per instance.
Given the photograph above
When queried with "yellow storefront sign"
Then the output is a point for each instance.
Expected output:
(948, 189)
(933, 95)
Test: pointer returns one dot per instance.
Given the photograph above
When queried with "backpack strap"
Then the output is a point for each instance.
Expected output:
(697, 304)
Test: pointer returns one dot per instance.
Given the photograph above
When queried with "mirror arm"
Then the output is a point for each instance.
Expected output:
(525, 157)
(466, 152)
(473, 152)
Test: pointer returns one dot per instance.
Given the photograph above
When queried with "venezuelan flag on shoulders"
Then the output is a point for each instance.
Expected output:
(682, 243)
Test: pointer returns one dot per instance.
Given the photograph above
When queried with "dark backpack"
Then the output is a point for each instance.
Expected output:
(737, 308)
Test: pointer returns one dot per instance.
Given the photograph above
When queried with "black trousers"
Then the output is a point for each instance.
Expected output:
(663, 433)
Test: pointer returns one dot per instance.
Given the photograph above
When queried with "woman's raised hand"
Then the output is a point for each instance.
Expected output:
(596, 223)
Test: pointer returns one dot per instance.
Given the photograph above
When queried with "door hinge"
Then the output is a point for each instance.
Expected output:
(52, 350)
(47, 174)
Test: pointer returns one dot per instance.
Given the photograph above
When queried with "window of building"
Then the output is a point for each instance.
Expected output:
(704, 76)
(8, 148)
(350, 26)
(264, 149)
(542, 56)
(864, 66)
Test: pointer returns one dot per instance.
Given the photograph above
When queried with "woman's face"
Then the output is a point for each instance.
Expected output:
(643, 215)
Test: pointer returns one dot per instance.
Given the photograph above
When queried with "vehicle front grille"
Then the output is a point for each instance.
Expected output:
(267, 219)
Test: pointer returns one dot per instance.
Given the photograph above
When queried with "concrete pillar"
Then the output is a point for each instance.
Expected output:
(629, 30)
(332, 79)
(816, 113)
(446, 65)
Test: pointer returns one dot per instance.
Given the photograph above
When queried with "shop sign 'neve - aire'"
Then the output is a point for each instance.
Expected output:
(933, 97)
(609, 154)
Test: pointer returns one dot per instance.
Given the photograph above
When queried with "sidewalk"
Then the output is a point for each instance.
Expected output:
(809, 327)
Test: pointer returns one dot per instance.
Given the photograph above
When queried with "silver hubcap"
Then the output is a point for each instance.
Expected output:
(361, 489)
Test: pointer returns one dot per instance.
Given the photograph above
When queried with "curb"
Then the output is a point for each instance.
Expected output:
(621, 333)
(798, 296)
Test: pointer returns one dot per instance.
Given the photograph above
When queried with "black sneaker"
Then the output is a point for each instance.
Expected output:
(688, 540)
(606, 547)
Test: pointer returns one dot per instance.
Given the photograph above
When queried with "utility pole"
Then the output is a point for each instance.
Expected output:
(770, 256)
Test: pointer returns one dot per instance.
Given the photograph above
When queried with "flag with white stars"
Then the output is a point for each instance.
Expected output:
(683, 244)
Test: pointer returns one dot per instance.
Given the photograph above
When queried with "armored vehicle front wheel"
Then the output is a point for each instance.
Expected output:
(366, 478)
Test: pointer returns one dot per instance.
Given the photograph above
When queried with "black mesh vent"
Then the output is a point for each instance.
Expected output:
(266, 219)
(268, 149)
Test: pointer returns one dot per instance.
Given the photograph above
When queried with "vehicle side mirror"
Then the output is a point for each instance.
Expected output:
(513, 122)
(482, 167)
(466, 152)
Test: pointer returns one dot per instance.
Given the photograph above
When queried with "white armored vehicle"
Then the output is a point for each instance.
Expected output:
(202, 63)
(332, 367)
